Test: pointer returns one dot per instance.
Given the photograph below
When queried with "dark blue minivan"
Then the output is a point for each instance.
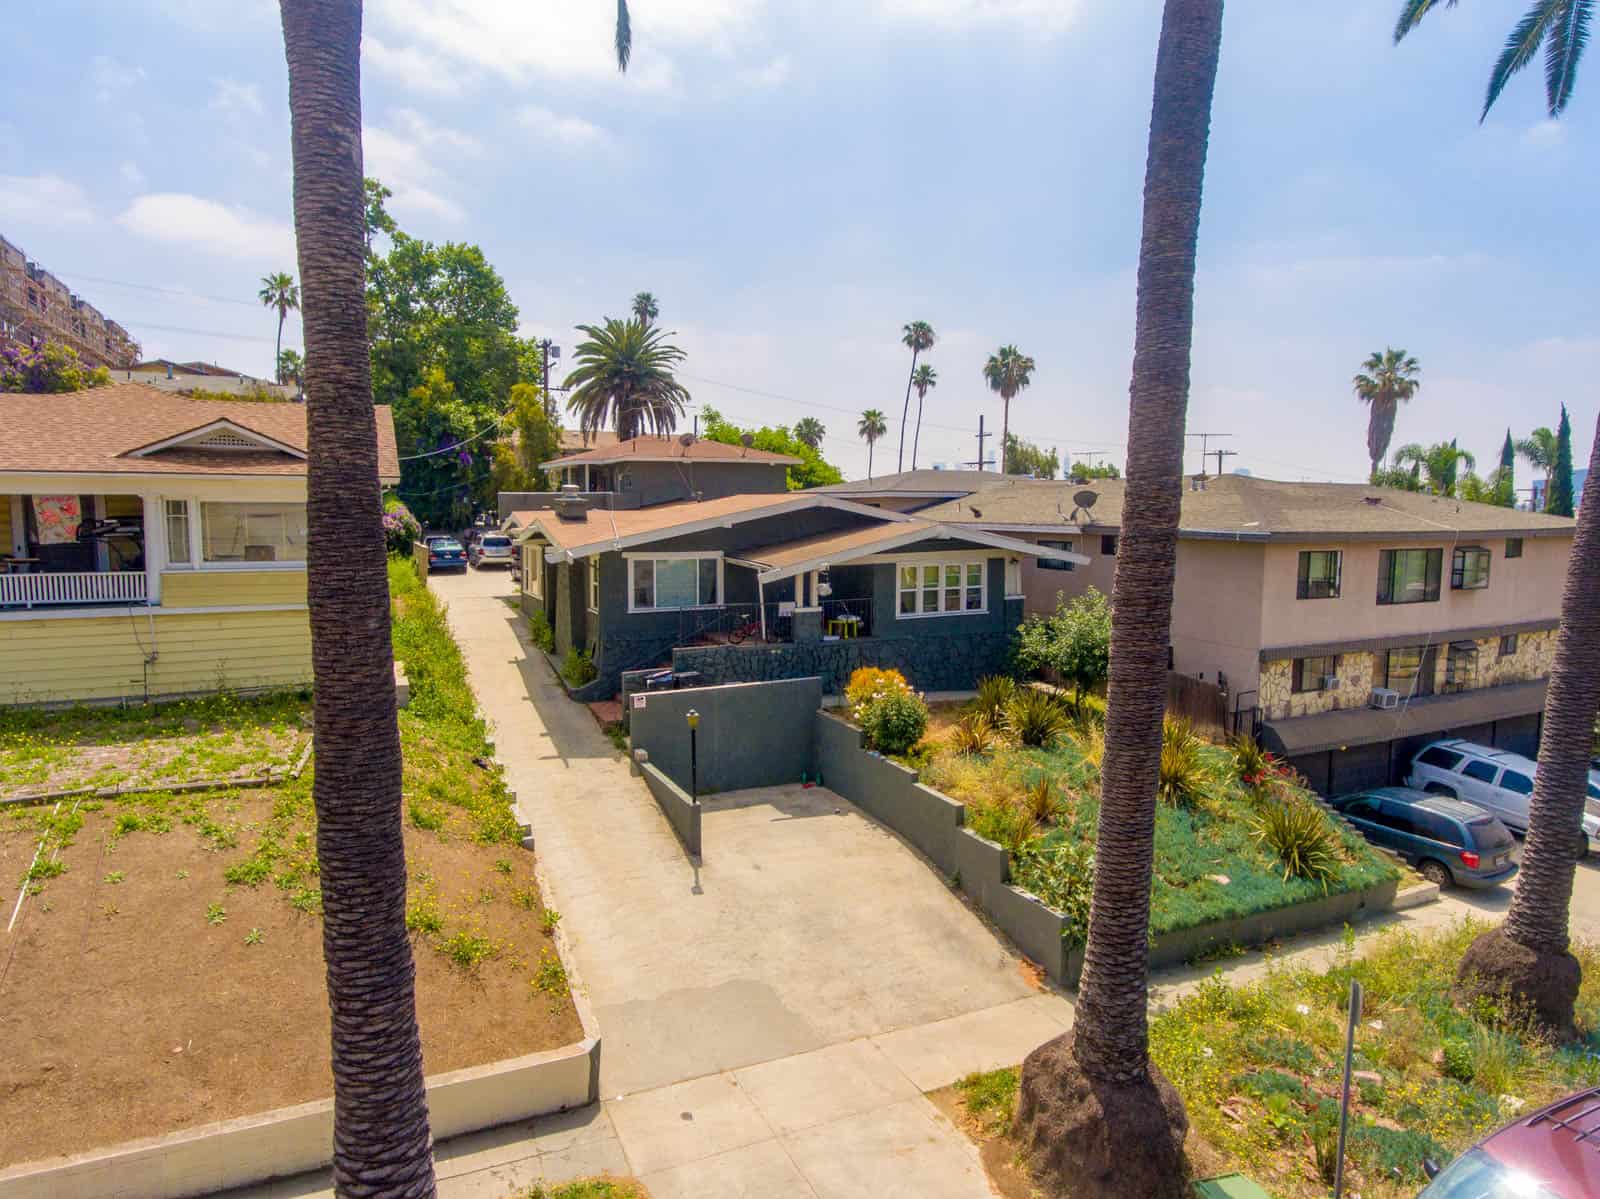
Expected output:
(1447, 840)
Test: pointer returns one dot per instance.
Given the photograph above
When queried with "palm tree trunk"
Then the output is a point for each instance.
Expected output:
(1528, 956)
(277, 350)
(1095, 1114)
(916, 438)
(381, 1140)
(905, 410)
(869, 461)
(1005, 430)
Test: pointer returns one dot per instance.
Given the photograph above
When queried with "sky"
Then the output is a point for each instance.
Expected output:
(796, 181)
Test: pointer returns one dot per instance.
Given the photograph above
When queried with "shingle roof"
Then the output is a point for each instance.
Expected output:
(1245, 508)
(96, 432)
(669, 449)
(574, 442)
(600, 526)
(923, 482)
(843, 543)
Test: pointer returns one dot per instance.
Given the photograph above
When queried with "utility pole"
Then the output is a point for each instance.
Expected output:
(981, 437)
(1220, 455)
(548, 350)
(1205, 437)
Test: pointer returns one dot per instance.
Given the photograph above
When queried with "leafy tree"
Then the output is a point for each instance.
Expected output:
(47, 367)
(812, 471)
(645, 308)
(376, 216)
(1440, 463)
(1074, 641)
(1561, 26)
(917, 337)
(1484, 489)
(1539, 448)
(1025, 458)
(1560, 501)
(381, 1141)
(1505, 494)
(291, 367)
(1385, 382)
(1399, 477)
(1007, 372)
(279, 291)
(871, 427)
(530, 437)
(811, 431)
(1097, 1118)
(624, 379)
(1094, 470)
(924, 379)
(450, 460)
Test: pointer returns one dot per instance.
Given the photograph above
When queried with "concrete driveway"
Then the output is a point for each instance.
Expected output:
(1491, 904)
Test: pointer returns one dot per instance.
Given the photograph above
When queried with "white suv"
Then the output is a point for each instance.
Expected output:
(1494, 779)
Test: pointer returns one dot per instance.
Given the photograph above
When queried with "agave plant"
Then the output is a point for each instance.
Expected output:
(995, 692)
(1041, 802)
(1298, 832)
(1184, 774)
(973, 734)
(1036, 718)
(1253, 764)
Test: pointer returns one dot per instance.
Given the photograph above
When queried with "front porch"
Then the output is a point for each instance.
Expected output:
(71, 550)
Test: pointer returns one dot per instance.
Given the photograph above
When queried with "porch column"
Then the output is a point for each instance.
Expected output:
(19, 529)
(155, 545)
(102, 555)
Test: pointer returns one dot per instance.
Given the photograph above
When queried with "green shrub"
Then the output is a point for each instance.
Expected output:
(539, 629)
(1041, 802)
(1036, 718)
(995, 692)
(1298, 832)
(578, 668)
(894, 721)
(1062, 875)
(869, 683)
(1184, 773)
(1003, 822)
(973, 734)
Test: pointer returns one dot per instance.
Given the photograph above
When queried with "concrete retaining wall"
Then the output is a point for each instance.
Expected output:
(681, 811)
(750, 735)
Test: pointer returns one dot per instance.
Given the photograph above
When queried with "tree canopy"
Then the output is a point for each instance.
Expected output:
(1074, 640)
(1025, 458)
(530, 438)
(47, 367)
(813, 470)
(1094, 470)
(624, 379)
(1560, 500)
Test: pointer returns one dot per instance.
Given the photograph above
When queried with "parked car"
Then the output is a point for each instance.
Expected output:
(1448, 842)
(445, 553)
(491, 549)
(1551, 1154)
(1496, 780)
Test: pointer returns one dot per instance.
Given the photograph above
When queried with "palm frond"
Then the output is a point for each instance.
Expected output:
(1568, 37)
(1521, 46)
(624, 36)
(1411, 13)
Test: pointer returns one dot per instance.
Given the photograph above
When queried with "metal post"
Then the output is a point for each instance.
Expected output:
(1344, 1095)
(693, 718)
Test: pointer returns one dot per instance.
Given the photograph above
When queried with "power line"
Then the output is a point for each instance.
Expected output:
(447, 449)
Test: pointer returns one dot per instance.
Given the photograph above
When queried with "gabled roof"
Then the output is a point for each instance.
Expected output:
(132, 429)
(574, 442)
(1244, 508)
(669, 449)
(603, 529)
(785, 558)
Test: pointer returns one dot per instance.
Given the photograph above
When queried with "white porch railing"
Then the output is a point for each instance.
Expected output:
(72, 587)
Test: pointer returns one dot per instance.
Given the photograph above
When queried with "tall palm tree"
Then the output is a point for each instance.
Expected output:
(624, 379)
(924, 379)
(810, 430)
(381, 1141)
(1098, 1119)
(645, 308)
(291, 367)
(1007, 372)
(1561, 26)
(1440, 462)
(1385, 382)
(919, 336)
(1539, 448)
(872, 426)
(280, 291)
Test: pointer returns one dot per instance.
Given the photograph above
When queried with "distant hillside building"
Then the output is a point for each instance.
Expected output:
(34, 303)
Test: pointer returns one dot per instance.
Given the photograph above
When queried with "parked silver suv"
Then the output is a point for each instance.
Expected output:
(1495, 779)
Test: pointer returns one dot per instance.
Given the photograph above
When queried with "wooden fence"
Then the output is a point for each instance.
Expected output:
(1204, 705)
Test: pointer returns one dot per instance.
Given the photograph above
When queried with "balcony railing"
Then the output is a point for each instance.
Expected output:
(67, 588)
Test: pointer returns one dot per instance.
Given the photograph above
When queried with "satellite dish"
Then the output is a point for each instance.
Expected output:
(686, 440)
(1085, 499)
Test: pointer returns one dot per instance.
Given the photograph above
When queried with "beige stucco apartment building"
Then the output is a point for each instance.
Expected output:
(1309, 603)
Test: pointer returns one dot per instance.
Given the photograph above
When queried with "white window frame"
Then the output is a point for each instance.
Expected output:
(186, 513)
(922, 563)
(594, 583)
(679, 556)
(197, 540)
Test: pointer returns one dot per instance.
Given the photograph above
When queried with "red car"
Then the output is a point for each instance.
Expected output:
(1552, 1154)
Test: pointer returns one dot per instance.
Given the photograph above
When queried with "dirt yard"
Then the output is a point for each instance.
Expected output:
(143, 992)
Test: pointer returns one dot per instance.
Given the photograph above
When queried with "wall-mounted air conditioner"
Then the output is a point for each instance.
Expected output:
(1330, 682)
(1384, 698)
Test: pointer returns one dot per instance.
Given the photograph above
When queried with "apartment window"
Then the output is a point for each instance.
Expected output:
(594, 584)
(1312, 674)
(1508, 646)
(1056, 563)
(1409, 670)
(667, 584)
(941, 588)
(1469, 568)
(177, 517)
(1513, 547)
(1461, 665)
(234, 534)
(1108, 544)
(1319, 574)
(1409, 576)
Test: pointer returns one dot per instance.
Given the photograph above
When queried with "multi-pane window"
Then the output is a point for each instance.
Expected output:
(940, 588)
(1409, 670)
(1056, 563)
(252, 532)
(1409, 576)
(1513, 547)
(670, 583)
(1469, 568)
(594, 584)
(177, 516)
(1319, 574)
(1314, 674)
(1508, 646)
(1461, 665)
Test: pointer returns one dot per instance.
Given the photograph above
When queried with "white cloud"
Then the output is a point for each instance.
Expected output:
(108, 77)
(774, 74)
(1039, 17)
(44, 201)
(416, 68)
(231, 96)
(568, 131)
(206, 225)
(402, 155)
(1545, 134)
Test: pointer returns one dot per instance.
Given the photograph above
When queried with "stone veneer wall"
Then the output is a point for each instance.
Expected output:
(929, 663)
(1359, 673)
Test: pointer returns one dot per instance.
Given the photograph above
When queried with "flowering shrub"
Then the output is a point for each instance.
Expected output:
(47, 367)
(400, 528)
(894, 721)
(869, 682)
